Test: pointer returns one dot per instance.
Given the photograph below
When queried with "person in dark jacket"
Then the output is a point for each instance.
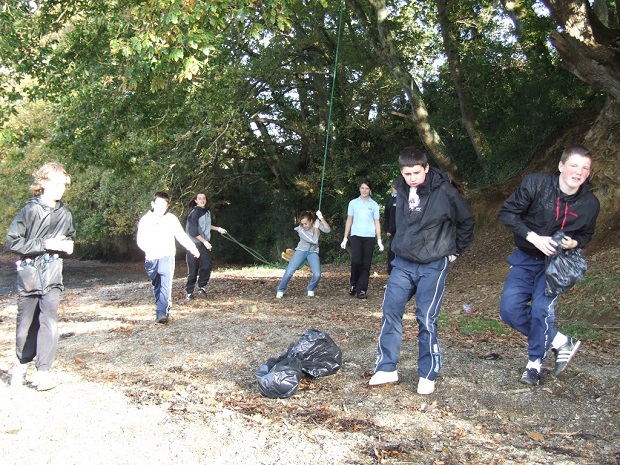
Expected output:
(389, 224)
(542, 205)
(428, 211)
(41, 234)
(198, 226)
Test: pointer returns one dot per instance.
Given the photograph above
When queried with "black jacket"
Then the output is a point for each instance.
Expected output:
(539, 205)
(26, 236)
(428, 234)
(389, 215)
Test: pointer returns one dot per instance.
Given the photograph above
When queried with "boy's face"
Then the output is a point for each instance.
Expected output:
(574, 173)
(54, 187)
(160, 206)
(414, 175)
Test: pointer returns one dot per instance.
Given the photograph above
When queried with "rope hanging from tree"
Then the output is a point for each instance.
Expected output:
(253, 252)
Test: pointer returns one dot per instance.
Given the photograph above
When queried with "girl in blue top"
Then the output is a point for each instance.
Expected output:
(309, 231)
(363, 225)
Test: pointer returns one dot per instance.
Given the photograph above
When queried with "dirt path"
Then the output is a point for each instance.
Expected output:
(185, 393)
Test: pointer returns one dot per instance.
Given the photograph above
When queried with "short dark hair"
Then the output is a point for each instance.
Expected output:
(161, 195)
(575, 150)
(412, 156)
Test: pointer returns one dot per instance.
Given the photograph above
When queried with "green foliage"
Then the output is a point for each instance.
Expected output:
(232, 97)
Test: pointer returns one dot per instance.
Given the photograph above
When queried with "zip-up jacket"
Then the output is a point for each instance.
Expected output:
(427, 233)
(540, 206)
(198, 224)
(26, 237)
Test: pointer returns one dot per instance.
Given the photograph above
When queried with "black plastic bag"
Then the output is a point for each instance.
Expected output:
(279, 377)
(314, 354)
(564, 269)
(319, 354)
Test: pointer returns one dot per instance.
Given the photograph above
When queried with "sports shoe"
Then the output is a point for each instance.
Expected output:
(202, 293)
(18, 375)
(383, 377)
(45, 382)
(279, 294)
(531, 377)
(310, 293)
(162, 319)
(361, 295)
(426, 386)
(564, 354)
(352, 291)
(189, 297)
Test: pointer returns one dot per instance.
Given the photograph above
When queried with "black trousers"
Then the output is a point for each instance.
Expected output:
(361, 258)
(198, 269)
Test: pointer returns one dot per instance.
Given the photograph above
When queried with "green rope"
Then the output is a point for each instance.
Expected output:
(331, 102)
(252, 252)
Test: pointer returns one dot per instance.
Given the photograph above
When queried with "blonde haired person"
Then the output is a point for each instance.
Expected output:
(41, 234)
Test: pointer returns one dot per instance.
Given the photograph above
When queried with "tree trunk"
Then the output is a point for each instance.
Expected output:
(603, 139)
(450, 45)
(381, 42)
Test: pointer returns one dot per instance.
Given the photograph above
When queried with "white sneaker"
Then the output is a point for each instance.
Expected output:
(426, 386)
(18, 375)
(45, 381)
(279, 294)
(383, 377)
(310, 293)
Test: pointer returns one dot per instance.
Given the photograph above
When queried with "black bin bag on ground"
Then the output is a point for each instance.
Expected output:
(564, 269)
(279, 377)
(314, 354)
(319, 354)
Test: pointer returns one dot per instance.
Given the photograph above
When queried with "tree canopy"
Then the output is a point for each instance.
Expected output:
(234, 97)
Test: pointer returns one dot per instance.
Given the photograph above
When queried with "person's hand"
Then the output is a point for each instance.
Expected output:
(569, 243)
(196, 252)
(343, 244)
(451, 258)
(380, 244)
(221, 230)
(67, 245)
(208, 245)
(59, 244)
(543, 243)
(319, 215)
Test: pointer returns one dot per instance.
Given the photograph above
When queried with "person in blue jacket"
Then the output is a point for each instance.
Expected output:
(542, 205)
(434, 225)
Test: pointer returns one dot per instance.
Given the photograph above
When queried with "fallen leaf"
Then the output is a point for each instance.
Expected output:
(535, 436)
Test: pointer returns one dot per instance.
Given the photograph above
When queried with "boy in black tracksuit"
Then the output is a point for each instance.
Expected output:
(428, 209)
(542, 205)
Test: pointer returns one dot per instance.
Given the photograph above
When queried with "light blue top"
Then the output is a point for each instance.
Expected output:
(364, 215)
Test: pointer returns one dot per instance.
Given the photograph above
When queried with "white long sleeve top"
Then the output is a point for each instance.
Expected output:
(156, 235)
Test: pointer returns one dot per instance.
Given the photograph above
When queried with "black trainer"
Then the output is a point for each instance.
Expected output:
(564, 354)
(189, 297)
(352, 291)
(531, 377)
(162, 319)
(202, 293)
(361, 295)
